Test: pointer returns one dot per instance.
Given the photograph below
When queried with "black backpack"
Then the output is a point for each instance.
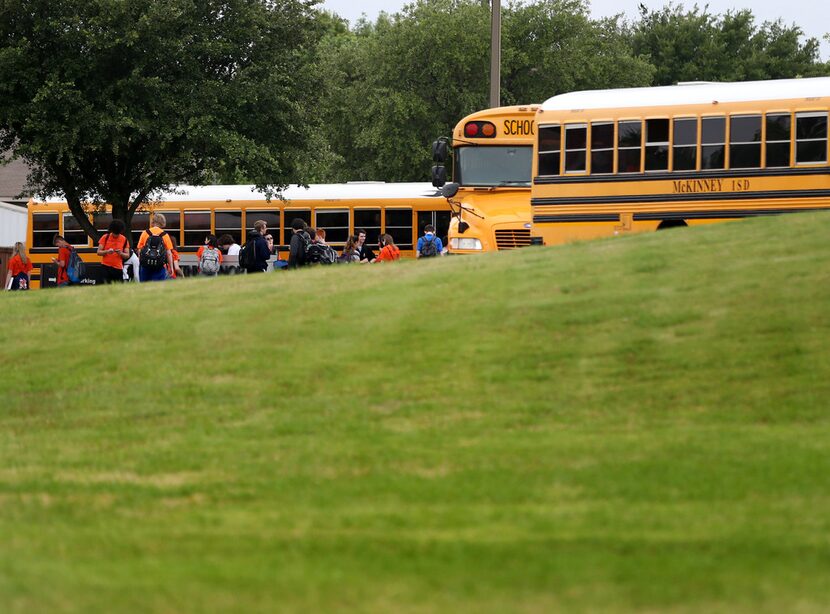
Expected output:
(247, 255)
(316, 253)
(428, 248)
(154, 255)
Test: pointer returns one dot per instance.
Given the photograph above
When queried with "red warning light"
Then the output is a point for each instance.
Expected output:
(471, 129)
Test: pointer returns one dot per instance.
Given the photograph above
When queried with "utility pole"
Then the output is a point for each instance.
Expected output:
(495, 54)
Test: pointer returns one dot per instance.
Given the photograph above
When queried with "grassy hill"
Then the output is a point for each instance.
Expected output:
(633, 424)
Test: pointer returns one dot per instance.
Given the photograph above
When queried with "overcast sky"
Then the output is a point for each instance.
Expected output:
(812, 16)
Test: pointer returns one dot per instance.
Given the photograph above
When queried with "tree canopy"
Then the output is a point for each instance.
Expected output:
(111, 101)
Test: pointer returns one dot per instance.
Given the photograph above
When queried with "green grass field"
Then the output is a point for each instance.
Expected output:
(633, 424)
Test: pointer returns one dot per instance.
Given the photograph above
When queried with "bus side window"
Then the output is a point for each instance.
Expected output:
(602, 148)
(196, 227)
(139, 223)
(230, 223)
(335, 222)
(368, 220)
(713, 139)
(72, 231)
(657, 145)
(399, 226)
(576, 136)
(290, 215)
(684, 149)
(745, 141)
(810, 138)
(44, 228)
(779, 136)
(629, 146)
(174, 225)
(550, 144)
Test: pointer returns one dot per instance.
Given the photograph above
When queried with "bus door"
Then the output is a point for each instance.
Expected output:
(439, 219)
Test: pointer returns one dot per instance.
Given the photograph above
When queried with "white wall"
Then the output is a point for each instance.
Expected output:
(13, 220)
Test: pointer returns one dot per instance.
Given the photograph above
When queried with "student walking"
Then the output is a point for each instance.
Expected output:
(176, 272)
(429, 245)
(389, 251)
(64, 256)
(20, 268)
(209, 257)
(155, 251)
(114, 249)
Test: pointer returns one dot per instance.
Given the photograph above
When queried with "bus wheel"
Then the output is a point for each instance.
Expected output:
(671, 224)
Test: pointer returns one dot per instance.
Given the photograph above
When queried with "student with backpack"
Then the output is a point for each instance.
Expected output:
(255, 254)
(209, 257)
(300, 241)
(318, 251)
(429, 245)
(71, 269)
(155, 251)
(114, 249)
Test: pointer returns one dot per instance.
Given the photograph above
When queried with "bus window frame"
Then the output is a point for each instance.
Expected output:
(790, 141)
(565, 150)
(65, 233)
(540, 152)
(339, 209)
(760, 142)
(695, 145)
(794, 132)
(50, 233)
(667, 144)
(218, 232)
(592, 150)
(617, 147)
(723, 143)
(185, 230)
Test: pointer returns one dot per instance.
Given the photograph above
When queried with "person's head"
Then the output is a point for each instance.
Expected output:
(211, 241)
(312, 233)
(159, 220)
(174, 242)
(20, 250)
(297, 224)
(351, 243)
(269, 239)
(59, 241)
(386, 239)
(321, 235)
(261, 226)
(117, 227)
(225, 241)
(429, 229)
(361, 236)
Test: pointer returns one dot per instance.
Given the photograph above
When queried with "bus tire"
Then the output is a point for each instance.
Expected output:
(671, 224)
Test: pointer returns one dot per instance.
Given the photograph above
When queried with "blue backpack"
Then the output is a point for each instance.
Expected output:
(75, 269)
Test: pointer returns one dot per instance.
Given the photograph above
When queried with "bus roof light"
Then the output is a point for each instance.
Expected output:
(471, 129)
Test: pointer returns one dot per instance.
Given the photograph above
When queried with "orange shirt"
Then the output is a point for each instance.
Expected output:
(389, 253)
(63, 254)
(155, 230)
(116, 242)
(17, 267)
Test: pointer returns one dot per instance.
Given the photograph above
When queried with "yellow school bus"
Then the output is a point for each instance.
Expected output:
(492, 160)
(399, 209)
(612, 162)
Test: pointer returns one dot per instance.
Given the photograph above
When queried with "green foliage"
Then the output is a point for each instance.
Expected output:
(115, 100)
(636, 424)
(695, 45)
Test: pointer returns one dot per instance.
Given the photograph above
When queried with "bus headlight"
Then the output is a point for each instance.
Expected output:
(461, 243)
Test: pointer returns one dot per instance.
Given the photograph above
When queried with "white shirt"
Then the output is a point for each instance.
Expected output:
(133, 260)
(233, 250)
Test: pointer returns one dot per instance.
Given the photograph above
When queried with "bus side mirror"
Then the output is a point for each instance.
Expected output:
(440, 150)
(449, 190)
(439, 176)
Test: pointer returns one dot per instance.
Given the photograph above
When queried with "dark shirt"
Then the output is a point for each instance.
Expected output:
(261, 253)
(296, 249)
(366, 253)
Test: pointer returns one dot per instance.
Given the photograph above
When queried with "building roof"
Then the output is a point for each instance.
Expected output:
(13, 180)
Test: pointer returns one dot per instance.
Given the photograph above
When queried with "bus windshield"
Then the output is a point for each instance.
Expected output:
(507, 165)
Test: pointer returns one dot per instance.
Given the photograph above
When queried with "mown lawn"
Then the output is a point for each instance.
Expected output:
(634, 424)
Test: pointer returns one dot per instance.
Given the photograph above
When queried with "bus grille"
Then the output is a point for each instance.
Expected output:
(512, 238)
